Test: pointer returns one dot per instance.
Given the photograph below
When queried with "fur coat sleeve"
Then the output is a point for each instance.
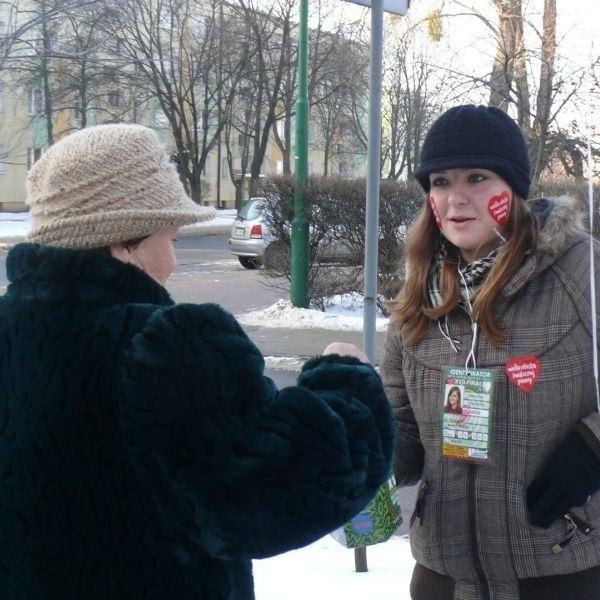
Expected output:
(248, 470)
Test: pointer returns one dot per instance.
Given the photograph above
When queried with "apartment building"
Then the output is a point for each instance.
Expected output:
(54, 80)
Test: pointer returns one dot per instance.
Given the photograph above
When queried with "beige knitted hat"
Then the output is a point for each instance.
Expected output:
(104, 185)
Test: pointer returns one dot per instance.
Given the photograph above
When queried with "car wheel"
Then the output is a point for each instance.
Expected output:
(249, 262)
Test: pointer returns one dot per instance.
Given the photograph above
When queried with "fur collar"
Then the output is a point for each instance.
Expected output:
(563, 219)
(46, 273)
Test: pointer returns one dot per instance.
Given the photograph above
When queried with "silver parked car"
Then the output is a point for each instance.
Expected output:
(250, 237)
(249, 234)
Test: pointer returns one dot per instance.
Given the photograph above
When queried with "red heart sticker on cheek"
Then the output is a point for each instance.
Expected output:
(499, 206)
(523, 371)
(435, 212)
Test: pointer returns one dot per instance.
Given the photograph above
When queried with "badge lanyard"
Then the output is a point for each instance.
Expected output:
(471, 360)
(466, 423)
(592, 272)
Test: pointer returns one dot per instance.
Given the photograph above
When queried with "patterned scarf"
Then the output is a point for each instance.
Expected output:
(471, 276)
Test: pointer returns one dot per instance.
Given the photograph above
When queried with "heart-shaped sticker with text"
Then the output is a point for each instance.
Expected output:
(498, 207)
(523, 371)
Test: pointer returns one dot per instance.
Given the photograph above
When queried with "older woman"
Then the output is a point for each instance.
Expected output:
(143, 453)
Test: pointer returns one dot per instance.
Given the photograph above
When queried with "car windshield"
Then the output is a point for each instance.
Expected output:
(252, 209)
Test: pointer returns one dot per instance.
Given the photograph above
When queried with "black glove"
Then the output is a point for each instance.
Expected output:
(569, 477)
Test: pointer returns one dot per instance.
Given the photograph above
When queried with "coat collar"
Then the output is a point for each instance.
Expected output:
(58, 274)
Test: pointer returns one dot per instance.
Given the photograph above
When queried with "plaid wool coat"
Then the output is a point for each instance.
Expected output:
(471, 520)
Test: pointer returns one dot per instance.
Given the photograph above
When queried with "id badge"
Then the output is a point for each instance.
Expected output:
(467, 414)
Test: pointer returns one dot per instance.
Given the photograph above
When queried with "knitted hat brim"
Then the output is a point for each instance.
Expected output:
(505, 169)
(112, 227)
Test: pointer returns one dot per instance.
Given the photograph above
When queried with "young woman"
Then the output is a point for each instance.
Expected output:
(143, 453)
(497, 300)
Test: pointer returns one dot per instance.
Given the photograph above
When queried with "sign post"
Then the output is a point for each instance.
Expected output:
(399, 7)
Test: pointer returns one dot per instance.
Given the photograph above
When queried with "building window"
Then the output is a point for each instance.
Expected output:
(199, 27)
(114, 98)
(160, 119)
(224, 168)
(1, 99)
(342, 169)
(165, 18)
(138, 113)
(51, 43)
(35, 101)
(2, 158)
(204, 173)
(33, 155)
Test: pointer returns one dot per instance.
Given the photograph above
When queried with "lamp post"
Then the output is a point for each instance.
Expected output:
(299, 249)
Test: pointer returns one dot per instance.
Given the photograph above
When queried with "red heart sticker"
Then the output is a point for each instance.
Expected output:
(498, 207)
(523, 371)
(435, 211)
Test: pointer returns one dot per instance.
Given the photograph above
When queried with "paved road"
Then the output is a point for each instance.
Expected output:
(208, 272)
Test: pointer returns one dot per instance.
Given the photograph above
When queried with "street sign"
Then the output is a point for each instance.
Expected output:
(398, 7)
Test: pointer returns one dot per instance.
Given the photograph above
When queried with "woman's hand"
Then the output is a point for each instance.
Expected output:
(344, 349)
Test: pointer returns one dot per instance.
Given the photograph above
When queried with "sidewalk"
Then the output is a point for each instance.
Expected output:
(304, 343)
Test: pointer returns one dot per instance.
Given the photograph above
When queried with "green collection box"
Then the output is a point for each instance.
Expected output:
(376, 522)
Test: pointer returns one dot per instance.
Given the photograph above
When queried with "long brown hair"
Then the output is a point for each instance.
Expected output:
(412, 308)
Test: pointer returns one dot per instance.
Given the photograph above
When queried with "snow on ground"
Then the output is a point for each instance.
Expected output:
(16, 225)
(343, 313)
(325, 570)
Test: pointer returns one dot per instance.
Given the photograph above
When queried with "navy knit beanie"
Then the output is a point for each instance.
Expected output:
(476, 137)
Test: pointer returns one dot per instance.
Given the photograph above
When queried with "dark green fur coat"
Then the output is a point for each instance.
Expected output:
(143, 453)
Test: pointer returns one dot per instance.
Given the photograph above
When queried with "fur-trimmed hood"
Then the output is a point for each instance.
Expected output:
(559, 218)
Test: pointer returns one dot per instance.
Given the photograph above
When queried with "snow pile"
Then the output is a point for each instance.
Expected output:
(343, 313)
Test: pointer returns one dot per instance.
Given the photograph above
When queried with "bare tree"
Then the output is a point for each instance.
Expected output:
(58, 64)
(328, 77)
(21, 19)
(173, 47)
(32, 62)
(413, 97)
(271, 36)
(536, 100)
(338, 88)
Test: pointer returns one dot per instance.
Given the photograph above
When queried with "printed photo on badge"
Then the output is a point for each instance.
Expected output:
(454, 395)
